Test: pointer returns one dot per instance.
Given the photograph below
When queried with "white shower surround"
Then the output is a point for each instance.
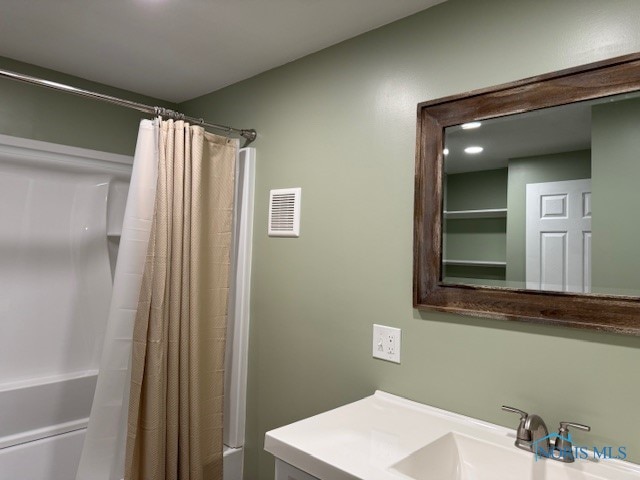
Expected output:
(49, 400)
(55, 281)
(60, 212)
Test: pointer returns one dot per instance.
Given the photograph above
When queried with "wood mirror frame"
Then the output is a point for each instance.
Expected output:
(618, 314)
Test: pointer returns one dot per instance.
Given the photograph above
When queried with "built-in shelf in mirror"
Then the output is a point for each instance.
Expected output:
(475, 263)
(482, 213)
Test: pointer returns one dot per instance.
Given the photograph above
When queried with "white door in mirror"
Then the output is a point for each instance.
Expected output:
(386, 343)
(559, 236)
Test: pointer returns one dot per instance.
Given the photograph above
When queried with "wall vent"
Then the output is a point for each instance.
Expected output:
(284, 212)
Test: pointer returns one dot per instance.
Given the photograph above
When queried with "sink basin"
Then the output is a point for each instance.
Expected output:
(459, 457)
(386, 437)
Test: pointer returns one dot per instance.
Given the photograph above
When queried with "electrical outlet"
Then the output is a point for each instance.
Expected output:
(386, 343)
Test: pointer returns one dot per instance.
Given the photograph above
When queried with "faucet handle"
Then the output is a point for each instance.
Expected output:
(563, 443)
(523, 415)
(564, 427)
(522, 434)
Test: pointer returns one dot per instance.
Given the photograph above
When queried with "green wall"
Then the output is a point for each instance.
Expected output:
(341, 124)
(29, 111)
(476, 239)
(615, 144)
(477, 190)
(538, 169)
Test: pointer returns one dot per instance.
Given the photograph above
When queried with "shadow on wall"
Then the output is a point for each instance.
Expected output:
(530, 327)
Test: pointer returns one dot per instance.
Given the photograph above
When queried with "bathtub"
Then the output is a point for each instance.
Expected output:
(57, 458)
(52, 458)
(42, 437)
(232, 463)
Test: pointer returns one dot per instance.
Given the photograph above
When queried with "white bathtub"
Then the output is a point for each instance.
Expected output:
(53, 458)
(57, 458)
(41, 438)
(232, 463)
(44, 407)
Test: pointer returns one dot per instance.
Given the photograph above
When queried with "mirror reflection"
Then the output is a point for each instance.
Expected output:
(546, 200)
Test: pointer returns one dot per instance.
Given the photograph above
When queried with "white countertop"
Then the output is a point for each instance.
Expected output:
(362, 440)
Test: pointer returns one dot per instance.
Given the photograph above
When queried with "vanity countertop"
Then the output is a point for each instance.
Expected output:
(364, 439)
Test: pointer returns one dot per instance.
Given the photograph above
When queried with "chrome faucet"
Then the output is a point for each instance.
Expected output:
(531, 431)
(532, 435)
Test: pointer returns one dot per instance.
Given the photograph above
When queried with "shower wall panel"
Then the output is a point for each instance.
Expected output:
(59, 214)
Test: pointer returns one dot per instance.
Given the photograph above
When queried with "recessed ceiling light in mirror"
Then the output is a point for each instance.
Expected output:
(445, 151)
(470, 125)
(473, 150)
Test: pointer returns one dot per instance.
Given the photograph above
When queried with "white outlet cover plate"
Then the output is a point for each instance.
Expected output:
(387, 343)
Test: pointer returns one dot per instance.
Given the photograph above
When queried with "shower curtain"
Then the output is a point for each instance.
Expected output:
(175, 402)
(103, 450)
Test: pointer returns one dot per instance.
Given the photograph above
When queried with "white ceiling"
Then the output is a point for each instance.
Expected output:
(542, 132)
(179, 49)
(564, 128)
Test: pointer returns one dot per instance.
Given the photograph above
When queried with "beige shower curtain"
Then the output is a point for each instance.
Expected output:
(177, 373)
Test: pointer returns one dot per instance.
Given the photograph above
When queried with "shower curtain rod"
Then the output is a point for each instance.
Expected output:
(249, 135)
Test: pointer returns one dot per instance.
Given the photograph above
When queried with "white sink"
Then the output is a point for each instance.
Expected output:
(385, 437)
(459, 457)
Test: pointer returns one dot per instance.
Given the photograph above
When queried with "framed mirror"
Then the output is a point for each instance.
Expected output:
(527, 200)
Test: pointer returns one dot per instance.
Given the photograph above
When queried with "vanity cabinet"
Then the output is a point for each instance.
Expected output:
(284, 471)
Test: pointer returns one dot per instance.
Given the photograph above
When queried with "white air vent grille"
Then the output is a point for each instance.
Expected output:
(284, 212)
